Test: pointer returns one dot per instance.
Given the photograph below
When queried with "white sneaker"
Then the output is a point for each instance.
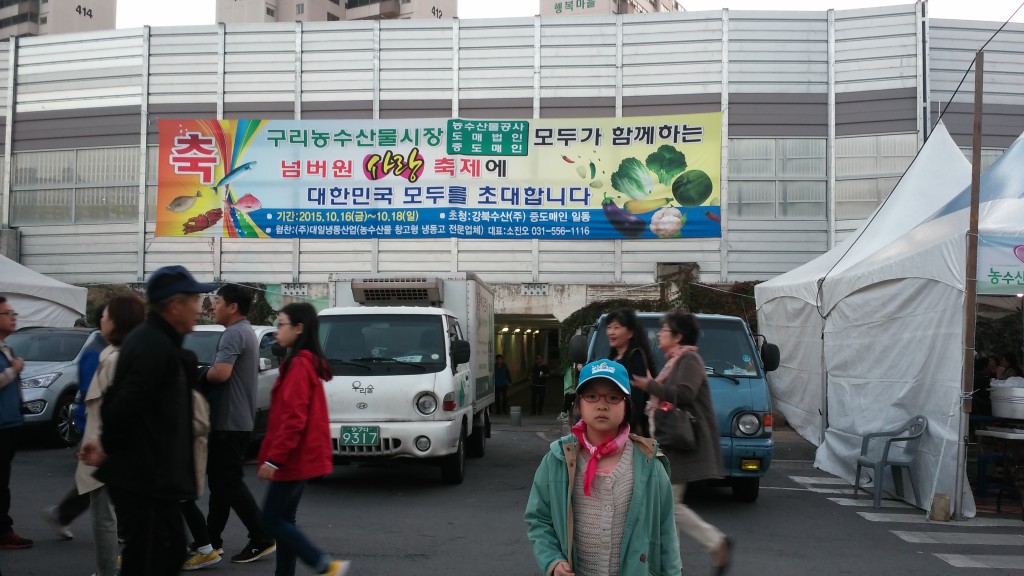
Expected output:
(563, 417)
(51, 517)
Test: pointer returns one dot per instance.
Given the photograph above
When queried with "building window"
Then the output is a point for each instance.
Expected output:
(42, 20)
(358, 3)
(96, 185)
(332, 17)
(336, 2)
(300, 8)
(867, 170)
(271, 11)
(777, 178)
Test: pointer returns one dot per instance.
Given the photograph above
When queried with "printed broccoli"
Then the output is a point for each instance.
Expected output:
(666, 162)
(633, 179)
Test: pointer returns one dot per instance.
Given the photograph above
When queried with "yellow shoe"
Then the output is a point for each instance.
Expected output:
(198, 560)
(337, 568)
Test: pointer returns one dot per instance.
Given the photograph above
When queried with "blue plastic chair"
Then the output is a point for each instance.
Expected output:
(910, 436)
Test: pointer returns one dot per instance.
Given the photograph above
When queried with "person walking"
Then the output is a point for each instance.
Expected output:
(629, 346)
(684, 383)
(297, 446)
(117, 319)
(601, 501)
(231, 388)
(145, 451)
(10, 423)
(502, 381)
(538, 383)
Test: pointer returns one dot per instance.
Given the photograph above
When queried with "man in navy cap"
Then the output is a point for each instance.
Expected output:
(145, 451)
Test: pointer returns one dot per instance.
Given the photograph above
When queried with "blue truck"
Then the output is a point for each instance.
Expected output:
(736, 369)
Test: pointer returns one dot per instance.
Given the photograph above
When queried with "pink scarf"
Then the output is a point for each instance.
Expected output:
(607, 448)
(671, 356)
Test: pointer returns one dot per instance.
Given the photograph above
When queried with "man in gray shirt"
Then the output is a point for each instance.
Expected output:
(231, 388)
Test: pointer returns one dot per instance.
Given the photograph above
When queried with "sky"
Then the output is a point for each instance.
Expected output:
(136, 13)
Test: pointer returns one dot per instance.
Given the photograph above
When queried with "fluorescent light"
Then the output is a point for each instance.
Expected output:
(505, 329)
(517, 331)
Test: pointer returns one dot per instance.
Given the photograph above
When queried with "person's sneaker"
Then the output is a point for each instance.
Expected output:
(193, 548)
(197, 560)
(13, 541)
(337, 568)
(53, 519)
(563, 417)
(254, 550)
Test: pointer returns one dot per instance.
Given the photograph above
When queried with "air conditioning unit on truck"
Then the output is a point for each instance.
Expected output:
(413, 368)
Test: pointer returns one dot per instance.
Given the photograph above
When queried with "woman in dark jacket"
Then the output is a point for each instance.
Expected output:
(684, 383)
(629, 346)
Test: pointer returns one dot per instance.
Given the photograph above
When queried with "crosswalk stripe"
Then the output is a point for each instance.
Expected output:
(921, 519)
(868, 502)
(818, 480)
(961, 538)
(969, 561)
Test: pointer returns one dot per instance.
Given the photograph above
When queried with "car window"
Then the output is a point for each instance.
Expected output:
(47, 346)
(265, 349)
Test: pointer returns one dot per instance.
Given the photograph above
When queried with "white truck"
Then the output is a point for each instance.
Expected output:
(413, 368)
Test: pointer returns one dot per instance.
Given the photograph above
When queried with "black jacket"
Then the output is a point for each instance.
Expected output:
(147, 415)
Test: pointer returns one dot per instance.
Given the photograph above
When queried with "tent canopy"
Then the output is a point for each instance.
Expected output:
(38, 299)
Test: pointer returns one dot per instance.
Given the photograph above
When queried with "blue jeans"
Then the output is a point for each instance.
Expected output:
(279, 507)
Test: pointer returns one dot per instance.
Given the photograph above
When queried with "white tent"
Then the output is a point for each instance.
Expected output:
(870, 336)
(40, 300)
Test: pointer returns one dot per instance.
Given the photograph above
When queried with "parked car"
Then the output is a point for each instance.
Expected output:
(49, 381)
(203, 341)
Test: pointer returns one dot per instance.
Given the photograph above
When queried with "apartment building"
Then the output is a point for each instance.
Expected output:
(42, 17)
(594, 7)
(248, 11)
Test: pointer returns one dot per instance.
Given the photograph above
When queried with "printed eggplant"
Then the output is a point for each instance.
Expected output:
(627, 224)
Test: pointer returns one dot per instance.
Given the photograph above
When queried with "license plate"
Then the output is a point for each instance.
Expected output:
(360, 435)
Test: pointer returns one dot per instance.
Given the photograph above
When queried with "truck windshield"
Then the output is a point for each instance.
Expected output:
(723, 344)
(360, 344)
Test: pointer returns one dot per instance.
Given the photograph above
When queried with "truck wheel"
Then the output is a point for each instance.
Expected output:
(746, 489)
(478, 440)
(453, 467)
(63, 427)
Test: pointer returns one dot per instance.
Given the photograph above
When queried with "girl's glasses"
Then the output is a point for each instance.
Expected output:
(611, 397)
(279, 324)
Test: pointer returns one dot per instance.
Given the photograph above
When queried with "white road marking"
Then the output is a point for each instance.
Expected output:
(971, 561)
(961, 538)
(867, 502)
(819, 480)
(922, 519)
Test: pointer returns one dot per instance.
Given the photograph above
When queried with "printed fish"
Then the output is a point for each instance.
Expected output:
(183, 203)
(233, 175)
(246, 203)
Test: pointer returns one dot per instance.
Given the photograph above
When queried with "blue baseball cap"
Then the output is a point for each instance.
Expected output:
(171, 280)
(605, 370)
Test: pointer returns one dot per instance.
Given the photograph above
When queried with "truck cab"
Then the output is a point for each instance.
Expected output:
(739, 389)
(410, 381)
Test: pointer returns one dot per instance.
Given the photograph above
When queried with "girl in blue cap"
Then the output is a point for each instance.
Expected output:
(598, 479)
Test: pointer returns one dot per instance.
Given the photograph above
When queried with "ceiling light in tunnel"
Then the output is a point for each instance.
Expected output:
(505, 329)
(517, 331)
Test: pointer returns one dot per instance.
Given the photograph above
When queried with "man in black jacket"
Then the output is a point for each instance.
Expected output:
(145, 451)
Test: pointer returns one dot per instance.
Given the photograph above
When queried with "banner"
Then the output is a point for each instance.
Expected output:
(1000, 265)
(567, 179)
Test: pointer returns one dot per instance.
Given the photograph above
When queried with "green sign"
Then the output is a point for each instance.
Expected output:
(488, 137)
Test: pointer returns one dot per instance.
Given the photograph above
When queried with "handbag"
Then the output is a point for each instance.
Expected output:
(674, 427)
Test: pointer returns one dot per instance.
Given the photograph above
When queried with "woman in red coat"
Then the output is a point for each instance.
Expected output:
(298, 442)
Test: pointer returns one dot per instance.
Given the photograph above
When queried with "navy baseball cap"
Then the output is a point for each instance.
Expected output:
(171, 280)
(605, 370)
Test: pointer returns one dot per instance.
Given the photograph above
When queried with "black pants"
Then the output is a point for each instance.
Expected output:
(72, 506)
(501, 400)
(8, 443)
(227, 488)
(567, 401)
(536, 399)
(154, 534)
(196, 523)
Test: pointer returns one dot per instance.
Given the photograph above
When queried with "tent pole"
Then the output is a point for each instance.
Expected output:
(971, 288)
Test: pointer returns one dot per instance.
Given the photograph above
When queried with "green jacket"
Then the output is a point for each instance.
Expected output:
(650, 544)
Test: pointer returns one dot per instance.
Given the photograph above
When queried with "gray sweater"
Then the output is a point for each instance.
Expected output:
(601, 517)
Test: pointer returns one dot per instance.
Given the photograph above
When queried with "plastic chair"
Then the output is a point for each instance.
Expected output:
(910, 436)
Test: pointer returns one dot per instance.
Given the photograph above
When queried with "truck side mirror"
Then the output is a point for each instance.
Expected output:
(460, 352)
(770, 356)
(578, 349)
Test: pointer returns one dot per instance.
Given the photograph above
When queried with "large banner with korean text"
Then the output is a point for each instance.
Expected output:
(1000, 265)
(567, 179)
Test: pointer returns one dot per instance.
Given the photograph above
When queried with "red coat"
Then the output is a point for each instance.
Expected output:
(298, 437)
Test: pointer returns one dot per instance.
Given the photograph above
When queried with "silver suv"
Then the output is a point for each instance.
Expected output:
(203, 341)
(49, 381)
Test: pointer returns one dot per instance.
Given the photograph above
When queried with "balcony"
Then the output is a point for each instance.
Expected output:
(371, 10)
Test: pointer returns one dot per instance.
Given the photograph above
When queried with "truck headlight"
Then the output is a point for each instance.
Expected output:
(426, 403)
(748, 424)
(40, 381)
